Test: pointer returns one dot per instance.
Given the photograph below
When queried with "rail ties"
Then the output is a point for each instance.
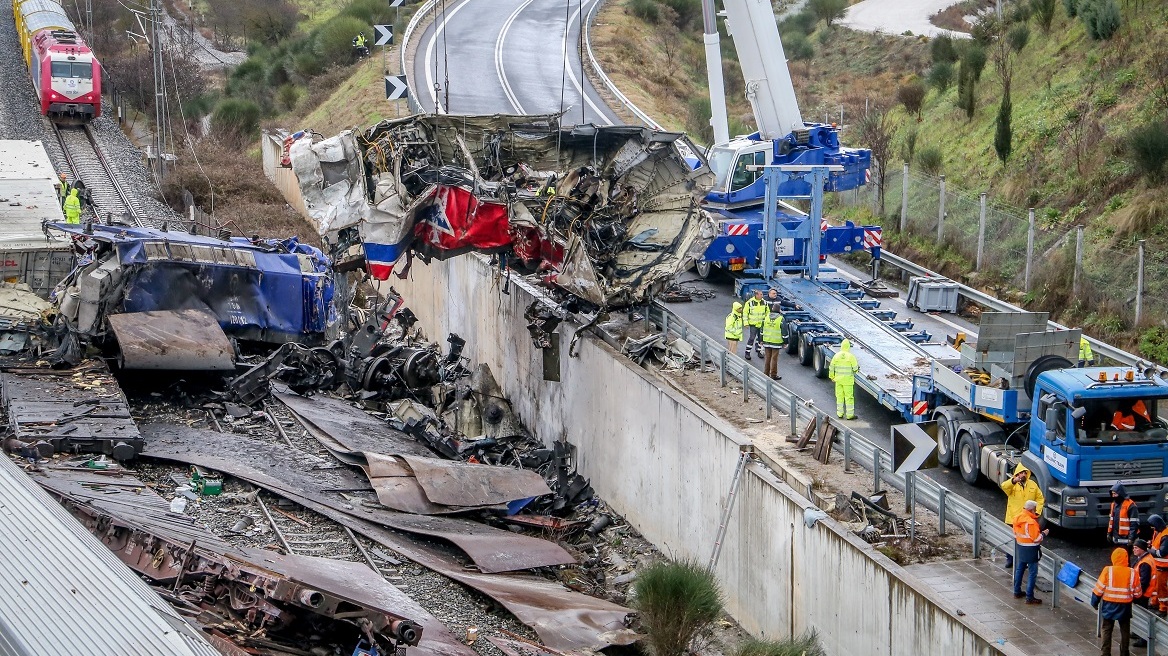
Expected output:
(88, 163)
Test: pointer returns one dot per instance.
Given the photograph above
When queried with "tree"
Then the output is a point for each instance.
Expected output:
(1018, 37)
(1043, 11)
(828, 11)
(943, 49)
(676, 600)
(911, 94)
(975, 57)
(1101, 18)
(876, 131)
(941, 76)
(1147, 149)
(1003, 136)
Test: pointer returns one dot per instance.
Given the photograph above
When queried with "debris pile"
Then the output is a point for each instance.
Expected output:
(607, 214)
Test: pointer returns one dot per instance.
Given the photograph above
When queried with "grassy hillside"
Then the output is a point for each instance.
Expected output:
(1082, 108)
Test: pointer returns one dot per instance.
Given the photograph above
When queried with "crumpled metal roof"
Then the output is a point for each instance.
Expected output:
(62, 592)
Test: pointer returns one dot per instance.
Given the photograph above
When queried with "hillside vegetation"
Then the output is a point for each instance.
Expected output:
(1085, 141)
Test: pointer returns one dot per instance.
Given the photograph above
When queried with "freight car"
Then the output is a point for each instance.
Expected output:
(65, 74)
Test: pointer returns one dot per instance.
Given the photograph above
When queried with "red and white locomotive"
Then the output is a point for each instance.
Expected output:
(65, 74)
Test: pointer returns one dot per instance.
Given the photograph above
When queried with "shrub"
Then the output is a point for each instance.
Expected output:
(941, 76)
(676, 600)
(688, 13)
(985, 30)
(1018, 37)
(908, 144)
(943, 49)
(307, 64)
(931, 160)
(1147, 150)
(287, 96)
(967, 97)
(805, 645)
(334, 41)
(236, 119)
(1003, 134)
(1154, 344)
(1043, 13)
(911, 94)
(646, 10)
(974, 56)
(1072, 7)
(802, 22)
(800, 48)
(697, 120)
(828, 11)
(370, 12)
(1100, 17)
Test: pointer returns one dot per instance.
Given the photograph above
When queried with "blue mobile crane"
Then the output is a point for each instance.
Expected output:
(1009, 396)
(783, 138)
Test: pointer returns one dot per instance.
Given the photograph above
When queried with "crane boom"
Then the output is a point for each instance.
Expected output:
(751, 23)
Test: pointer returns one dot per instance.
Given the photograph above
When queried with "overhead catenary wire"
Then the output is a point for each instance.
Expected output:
(187, 136)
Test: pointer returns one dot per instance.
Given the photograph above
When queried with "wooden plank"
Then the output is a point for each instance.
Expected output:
(807, 435)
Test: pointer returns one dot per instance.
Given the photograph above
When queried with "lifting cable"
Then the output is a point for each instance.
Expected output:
(445, 63)
(563, 83)
(580, 55)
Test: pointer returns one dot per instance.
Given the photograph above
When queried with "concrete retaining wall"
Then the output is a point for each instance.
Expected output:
(667, 464)
(272, 145)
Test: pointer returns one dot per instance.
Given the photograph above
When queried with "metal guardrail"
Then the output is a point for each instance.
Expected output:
(981, 298)
(986, 531)
(642, 116)
(412, 101)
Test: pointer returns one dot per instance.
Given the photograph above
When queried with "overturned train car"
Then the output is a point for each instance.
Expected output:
(607, 214)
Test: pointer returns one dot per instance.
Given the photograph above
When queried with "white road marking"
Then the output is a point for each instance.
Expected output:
(499, 68)
(431, 48)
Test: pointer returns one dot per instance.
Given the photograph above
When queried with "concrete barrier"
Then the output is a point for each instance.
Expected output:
(666, 465)
(272, 147)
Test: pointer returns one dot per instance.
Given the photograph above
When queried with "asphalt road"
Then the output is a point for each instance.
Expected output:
(898, 16)
(507, 57)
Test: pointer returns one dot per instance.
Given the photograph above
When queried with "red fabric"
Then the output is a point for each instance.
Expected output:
(457, 219)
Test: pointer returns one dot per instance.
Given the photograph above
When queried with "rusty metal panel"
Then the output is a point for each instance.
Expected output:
(396, 487)
(175, 340)
(72, 410)
(277, 468)
(465, 484)
(350, 429)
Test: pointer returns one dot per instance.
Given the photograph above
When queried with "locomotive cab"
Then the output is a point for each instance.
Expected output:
(71, 83)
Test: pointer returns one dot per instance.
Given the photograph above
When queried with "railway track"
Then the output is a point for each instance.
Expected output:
(112, 201)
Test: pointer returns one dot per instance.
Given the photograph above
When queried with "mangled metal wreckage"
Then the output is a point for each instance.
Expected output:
(608, 214)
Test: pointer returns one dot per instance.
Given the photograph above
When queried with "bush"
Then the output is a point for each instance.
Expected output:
(805, 645)
(1154, 344)
(1043, 13)
(646, 10)
(287, 96)
(828, 11)
(370, 12)
(1101, 18)
(307, 64)
(1003, 134)
(974, 56)
(334, 41)
(1018, 37)
(1147, 150)
(800, 48)
(676, 600)
(908, 144)
(1072, 7)
(941, 76)
(236, 119)
(697, 120)
(688, 13)
(985, 30)
(943, 49)
(931, 160)
(911, 94)
(802, 22)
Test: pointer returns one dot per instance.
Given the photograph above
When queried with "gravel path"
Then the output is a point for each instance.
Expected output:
(898, 16)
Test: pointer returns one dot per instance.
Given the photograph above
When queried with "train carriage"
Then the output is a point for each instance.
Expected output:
(65, 74)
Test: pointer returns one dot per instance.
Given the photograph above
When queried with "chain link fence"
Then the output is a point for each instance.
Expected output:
(1108, 278)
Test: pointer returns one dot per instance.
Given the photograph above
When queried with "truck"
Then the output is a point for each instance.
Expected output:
(782, 138)
(1015, 397)
(1009, 395)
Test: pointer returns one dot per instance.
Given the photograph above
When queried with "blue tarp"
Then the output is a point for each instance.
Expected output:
(286, 295)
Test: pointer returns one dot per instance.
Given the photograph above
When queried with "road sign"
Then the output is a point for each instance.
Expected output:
(396, 3)
(383, 35)
(914, 446)
(396, 87)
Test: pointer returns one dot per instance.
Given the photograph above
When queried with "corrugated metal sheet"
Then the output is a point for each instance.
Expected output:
(27, 197)
(39, 14)
(63, 593)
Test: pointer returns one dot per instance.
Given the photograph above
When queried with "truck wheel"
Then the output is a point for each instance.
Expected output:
(703, 269)
(806, 350)
(967, 459)
(790, 338)
(819, 362)
(944, 440)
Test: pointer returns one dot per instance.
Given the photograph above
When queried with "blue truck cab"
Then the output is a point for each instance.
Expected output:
(1078, 449)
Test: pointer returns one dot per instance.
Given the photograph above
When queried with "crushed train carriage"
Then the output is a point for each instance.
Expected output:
(608, 214)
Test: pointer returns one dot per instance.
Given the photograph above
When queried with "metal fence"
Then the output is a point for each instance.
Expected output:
(1028, 249)
(986, 532)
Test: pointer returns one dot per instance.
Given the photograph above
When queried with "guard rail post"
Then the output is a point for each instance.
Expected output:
(1151, 633)
(876, 466)
(910, 485)
(977, 534)
(745, 381)
(1055, 566)
(848, 450)
(942, 499)
(794, 416)
(769, 396)
(665, 324)
(722, 368)
(684, 331)
(704, 354)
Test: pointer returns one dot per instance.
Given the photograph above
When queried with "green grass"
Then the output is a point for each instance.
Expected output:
(358, 101)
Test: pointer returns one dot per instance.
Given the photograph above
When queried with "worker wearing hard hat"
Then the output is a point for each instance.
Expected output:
(734, 327)
(842, 371)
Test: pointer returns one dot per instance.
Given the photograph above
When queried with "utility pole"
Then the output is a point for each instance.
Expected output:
(160, 114)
